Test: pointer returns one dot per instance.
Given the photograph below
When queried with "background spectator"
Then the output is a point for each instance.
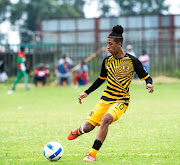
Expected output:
(144, 58)
(3, 75)
(63, 72)
(65, 58)
(41, 74)
(82, 73)
(130, 50)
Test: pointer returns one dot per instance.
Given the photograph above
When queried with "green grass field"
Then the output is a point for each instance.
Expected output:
(148, 133)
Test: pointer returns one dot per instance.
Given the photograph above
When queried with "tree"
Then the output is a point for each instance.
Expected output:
(104, 8)
(32, 12)
(134, 7)
(4, 8)
(131, 7)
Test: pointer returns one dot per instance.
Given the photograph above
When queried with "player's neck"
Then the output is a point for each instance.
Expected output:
(120, 54)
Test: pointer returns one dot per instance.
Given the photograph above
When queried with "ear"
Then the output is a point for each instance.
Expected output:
(120, 44)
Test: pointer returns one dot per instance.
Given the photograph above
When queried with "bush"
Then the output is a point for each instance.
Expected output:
(176, 73)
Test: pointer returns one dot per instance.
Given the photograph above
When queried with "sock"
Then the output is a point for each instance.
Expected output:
(96, 146)
(94, 152)
(81, 131)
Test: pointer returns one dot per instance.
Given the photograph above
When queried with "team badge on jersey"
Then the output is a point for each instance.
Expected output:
(126, 67)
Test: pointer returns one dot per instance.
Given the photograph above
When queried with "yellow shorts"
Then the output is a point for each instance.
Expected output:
(116, 110)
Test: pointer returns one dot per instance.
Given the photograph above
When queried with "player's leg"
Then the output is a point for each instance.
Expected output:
(101, 135)
(92, 121)
(19, 76)
(85, 128)
(113, 114)
(25, 79)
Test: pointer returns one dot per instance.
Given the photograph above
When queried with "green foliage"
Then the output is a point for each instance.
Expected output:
(176, 73)
(148, 133)
(131, 7)
(135, 7)
(17, 11)
(4, 6)
(30, 13)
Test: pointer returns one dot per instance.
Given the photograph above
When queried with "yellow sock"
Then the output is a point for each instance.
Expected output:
(79, 132)
(94, 151)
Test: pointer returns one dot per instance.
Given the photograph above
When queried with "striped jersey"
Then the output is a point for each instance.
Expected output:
(119, 73)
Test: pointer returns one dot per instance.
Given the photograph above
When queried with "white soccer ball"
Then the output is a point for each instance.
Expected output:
(53, 151)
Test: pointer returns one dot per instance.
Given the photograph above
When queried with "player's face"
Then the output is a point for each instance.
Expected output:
(112, 46)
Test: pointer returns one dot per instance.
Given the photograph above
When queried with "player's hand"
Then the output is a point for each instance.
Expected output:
(82, 96)
(150, 88)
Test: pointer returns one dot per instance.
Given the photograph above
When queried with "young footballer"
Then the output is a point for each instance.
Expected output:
(21, 61)
(118, 69)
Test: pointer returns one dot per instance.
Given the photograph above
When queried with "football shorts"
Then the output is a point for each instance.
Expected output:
(116, 110)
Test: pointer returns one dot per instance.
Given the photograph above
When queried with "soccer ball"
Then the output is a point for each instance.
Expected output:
(53, 151)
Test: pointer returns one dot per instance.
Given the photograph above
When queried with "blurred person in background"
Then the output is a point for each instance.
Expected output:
(144, 58)
(63, 72)
(65, 58)
(3, 74)
(21, 69)
(130, 50)
(82, 73)
(41, 74)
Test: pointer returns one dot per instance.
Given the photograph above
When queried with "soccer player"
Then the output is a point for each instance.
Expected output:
(119, 70)
(21, 61)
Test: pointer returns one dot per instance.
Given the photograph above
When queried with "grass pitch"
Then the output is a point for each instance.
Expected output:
(148, 133)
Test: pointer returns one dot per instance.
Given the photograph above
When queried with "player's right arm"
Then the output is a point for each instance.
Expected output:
(97, 83)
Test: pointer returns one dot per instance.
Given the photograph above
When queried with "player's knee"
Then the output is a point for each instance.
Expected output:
(107, 119)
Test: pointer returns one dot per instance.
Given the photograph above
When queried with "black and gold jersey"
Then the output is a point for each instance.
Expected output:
(119, 73)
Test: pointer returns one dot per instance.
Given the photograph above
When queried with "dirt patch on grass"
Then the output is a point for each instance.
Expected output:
(165, 79)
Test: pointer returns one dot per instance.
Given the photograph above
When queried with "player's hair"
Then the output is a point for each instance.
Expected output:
(22, 48)
(116, 34)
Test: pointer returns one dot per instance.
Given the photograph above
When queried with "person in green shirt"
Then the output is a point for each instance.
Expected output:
(21, 69)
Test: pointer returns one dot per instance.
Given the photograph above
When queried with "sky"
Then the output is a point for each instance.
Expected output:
(174, 8)
(13, 36)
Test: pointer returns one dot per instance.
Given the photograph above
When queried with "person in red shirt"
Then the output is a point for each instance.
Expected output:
(41, 74)
(82, 70)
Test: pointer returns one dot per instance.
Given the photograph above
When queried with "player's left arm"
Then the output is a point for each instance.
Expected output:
(149, 84)
(143, 75)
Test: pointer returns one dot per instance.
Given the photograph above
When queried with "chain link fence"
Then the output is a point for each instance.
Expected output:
(164, 56)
